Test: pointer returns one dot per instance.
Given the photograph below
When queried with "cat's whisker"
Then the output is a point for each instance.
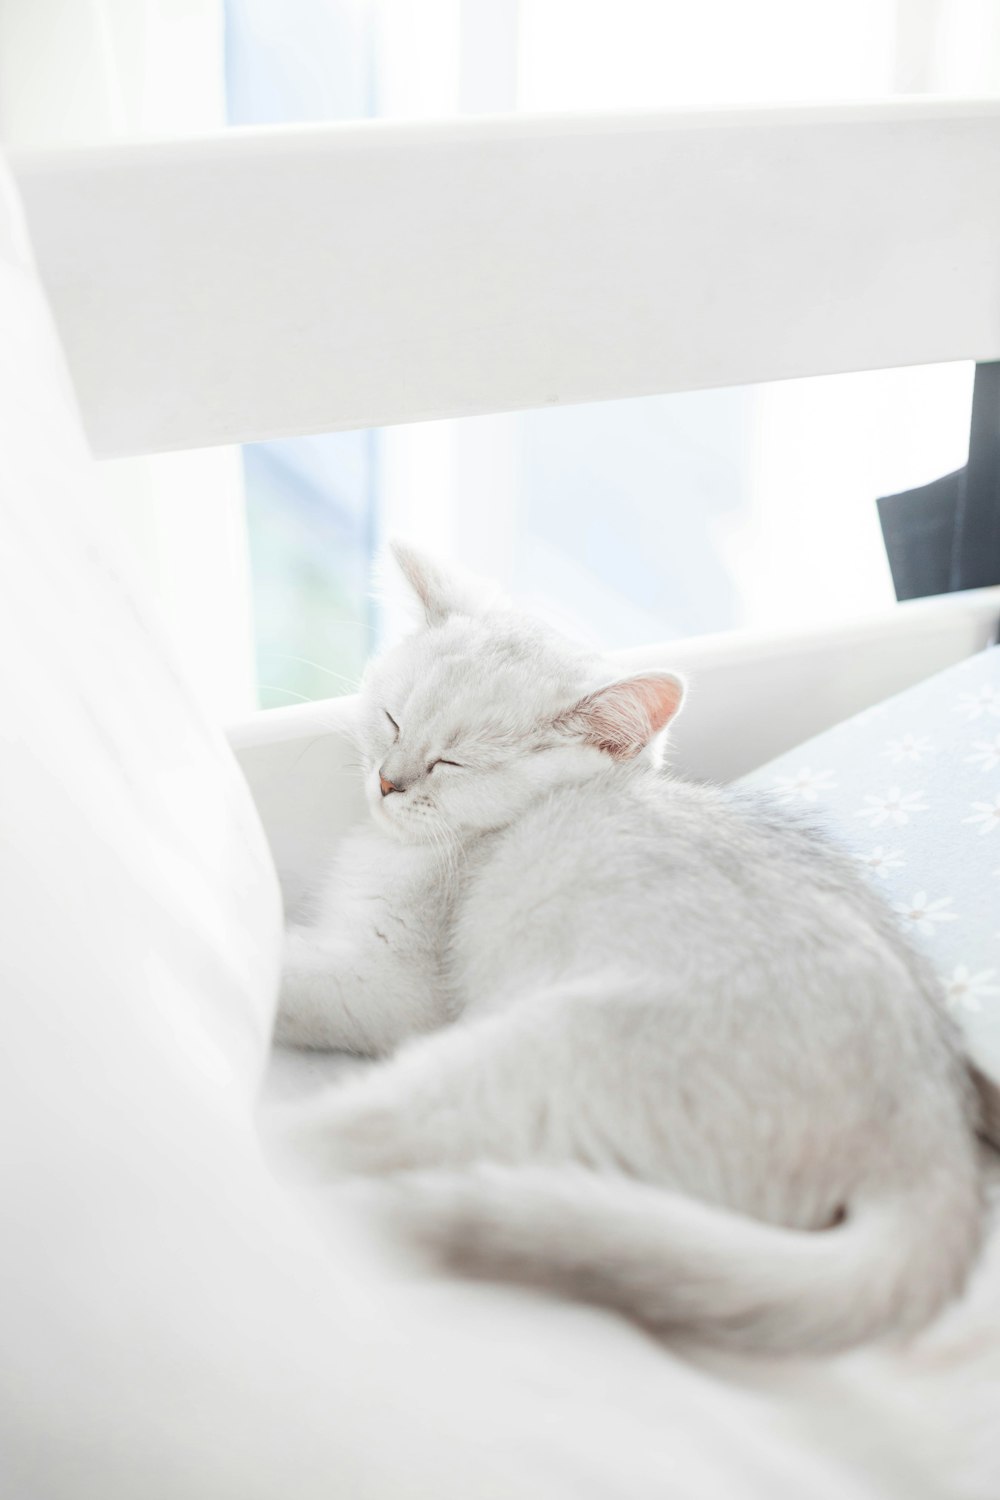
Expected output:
(351, 682)
(274, 687)
(443, 847)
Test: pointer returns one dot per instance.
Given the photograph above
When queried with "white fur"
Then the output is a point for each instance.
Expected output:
(672, 1039)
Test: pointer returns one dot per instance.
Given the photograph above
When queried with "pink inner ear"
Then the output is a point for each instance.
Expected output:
(661, 698)
(622, 718)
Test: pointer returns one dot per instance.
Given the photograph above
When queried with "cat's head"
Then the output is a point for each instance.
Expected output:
(481, 711)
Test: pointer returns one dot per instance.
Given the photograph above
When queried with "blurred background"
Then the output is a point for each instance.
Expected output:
(623, 522)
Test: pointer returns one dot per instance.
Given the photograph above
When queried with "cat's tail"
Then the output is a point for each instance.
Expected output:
(678, 1265)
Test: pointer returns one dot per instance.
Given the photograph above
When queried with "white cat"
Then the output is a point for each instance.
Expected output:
(666, 1051)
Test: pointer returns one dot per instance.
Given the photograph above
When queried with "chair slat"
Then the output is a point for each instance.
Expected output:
(297, 280)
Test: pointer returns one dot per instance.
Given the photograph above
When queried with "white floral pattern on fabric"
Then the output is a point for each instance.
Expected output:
(985, 754)
(921, 772)
(894, 807)
(925, 915)
(881, 861)
(804, 786)
(985, 702)
(986, 815)
(968, 991)
(909, 747)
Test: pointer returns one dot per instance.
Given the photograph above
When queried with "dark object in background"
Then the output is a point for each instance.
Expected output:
(945, 536)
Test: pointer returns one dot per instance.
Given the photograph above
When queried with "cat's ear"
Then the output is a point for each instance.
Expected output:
(441, 591)
(624, 717)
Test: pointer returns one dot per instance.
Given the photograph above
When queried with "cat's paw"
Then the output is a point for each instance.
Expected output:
(312, 1015)
(294, 1028)
(352, 1137)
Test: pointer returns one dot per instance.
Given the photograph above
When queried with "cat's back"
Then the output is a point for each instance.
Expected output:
(620, 865)
(652, 876)
(641, 835)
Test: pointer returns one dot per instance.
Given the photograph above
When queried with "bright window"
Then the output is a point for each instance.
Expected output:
(628, 521)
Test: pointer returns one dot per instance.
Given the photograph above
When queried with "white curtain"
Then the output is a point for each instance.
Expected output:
(88, 71)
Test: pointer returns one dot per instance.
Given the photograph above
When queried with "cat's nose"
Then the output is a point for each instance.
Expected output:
(386, 786)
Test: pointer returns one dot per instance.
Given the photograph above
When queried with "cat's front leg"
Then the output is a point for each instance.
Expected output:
(366, 974)
(353, 995)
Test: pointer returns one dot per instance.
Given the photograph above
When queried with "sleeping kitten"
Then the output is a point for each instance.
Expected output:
(665, 1050)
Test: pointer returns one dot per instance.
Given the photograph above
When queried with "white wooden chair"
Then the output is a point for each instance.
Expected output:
(173, 1326)
(268, 283)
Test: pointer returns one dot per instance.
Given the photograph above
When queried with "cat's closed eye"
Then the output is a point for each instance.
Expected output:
(391, 719)
(442, 762)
